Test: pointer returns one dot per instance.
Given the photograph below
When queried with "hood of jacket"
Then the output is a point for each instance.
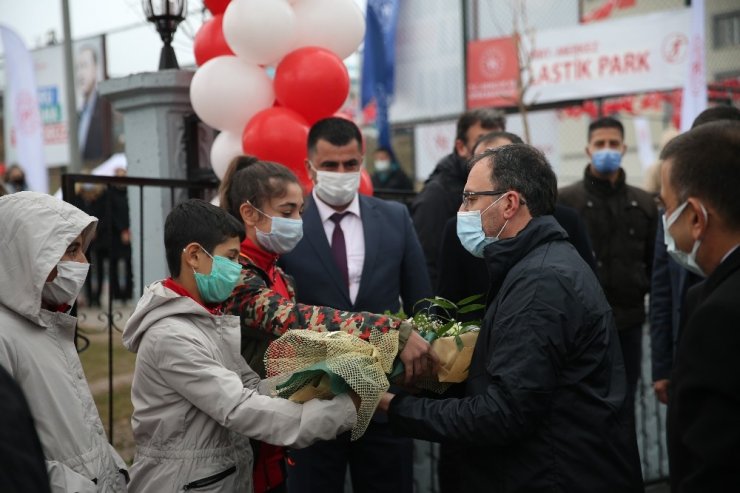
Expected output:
(502, 255)
(35, 231)
(159, 302)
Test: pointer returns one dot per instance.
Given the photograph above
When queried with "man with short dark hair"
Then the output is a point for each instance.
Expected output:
(621, 221)
(544, 402)
(669, 284)
(440, 198)
(358, 253)
(701, 179)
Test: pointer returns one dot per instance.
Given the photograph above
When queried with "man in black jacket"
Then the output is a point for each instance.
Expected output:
(621, 221)
(700, 183)
(544, 404)
(441, 196)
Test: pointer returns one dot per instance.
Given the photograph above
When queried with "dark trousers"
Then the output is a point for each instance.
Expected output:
(379, 462)
(631, 341)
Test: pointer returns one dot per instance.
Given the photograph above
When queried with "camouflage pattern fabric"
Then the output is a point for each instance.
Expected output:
(266, 315)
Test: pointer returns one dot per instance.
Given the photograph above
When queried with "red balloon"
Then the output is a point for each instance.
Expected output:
(210, 42)
(279, 135)
(312, 81)
(216, 6)
(366, 183)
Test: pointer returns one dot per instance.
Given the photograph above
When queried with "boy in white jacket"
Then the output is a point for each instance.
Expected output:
(196, 402)
(42, 269)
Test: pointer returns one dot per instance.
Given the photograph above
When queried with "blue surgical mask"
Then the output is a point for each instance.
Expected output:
(284, 235)
(218, 285)
(470, 230)
(685, 260)
(606, 161)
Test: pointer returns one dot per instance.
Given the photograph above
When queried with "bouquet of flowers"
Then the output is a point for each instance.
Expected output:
(304, 365)
(452, 340)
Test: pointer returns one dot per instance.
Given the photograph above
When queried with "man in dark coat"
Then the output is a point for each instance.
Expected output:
(700, 183)
(544, 404)
(440, 199)
(621, 221)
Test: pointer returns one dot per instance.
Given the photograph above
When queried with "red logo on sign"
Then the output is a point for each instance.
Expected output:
(493, 71)
(28, 114)
(675, 47)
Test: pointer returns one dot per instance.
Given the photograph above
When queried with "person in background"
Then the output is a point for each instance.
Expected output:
(670, 283)
(15, 179)
(701, 179)
(621, 222)
(440, 199)
(366, 257)
(267, 198)
(43, 268)
(196, 402)
(544, 405)
(388, 174)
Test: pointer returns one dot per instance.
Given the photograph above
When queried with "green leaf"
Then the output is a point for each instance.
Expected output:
(471, 308)
(442, 302)
(469, 299)
(459, 343)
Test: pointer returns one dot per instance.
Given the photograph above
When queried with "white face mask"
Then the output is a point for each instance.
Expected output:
(285, 233)
(382, 165)
(337, 188)
(65, 287)
(685, 260)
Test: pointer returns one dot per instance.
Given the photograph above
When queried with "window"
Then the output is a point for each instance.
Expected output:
(727, 29)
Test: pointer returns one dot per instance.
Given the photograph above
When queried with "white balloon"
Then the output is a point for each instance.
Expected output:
(226, 146)
(337, 25)
(259, 31)
(226, 92)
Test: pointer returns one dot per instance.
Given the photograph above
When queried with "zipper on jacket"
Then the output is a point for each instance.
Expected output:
(202, 483)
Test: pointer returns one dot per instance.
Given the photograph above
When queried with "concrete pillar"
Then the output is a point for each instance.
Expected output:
(154, 106)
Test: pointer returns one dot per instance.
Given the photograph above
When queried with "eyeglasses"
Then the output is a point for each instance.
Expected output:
(466, 196)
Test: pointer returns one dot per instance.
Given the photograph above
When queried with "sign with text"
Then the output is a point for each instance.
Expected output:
(493, 71)
(89, 58)
(622, 56)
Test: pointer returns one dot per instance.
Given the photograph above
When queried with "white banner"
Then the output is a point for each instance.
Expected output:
(432, 142)
(694, 97)
(49, 67)
(21, 101)
(644, 139)
(622, 56)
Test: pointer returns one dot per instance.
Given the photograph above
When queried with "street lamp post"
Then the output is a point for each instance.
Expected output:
(166, 15)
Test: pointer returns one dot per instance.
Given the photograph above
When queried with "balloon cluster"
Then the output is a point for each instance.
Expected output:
(305, 40)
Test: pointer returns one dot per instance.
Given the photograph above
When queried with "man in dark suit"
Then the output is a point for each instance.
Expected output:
(358, 253)
(700, 183)
(94, 113)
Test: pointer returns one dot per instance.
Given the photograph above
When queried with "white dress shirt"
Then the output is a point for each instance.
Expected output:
(354, 238)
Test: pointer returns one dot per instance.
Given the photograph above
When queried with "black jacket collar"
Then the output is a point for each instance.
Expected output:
(722, 272)
(501, 256)
(602, 186)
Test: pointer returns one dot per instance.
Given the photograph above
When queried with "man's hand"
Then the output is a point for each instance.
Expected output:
(661, 389)
(418, 357)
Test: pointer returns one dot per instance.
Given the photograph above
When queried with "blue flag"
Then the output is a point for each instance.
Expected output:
(378, 64)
